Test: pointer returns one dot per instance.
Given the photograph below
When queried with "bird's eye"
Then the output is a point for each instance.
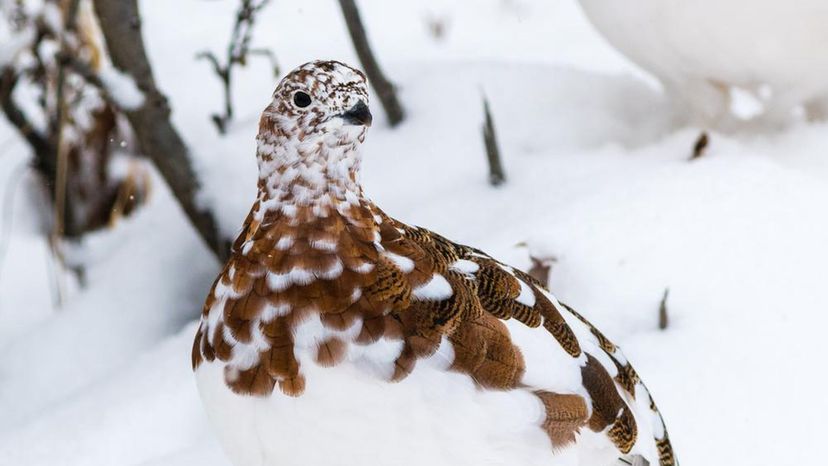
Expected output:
(301, 99)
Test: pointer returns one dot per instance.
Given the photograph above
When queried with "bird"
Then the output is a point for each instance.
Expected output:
(338, 335)
(702, 51)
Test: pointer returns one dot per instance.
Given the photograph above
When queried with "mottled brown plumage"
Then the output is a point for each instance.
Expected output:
(314, 247)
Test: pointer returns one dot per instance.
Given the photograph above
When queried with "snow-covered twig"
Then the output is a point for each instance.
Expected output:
(72, 145)
(117, 88)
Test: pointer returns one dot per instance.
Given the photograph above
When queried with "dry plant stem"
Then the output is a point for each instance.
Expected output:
(384, 88)
(62, 162)
(237, 52)
(496, 173)
(157, 137)
(61, 212)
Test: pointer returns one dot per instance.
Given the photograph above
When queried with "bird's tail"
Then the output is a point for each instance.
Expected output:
(666, 456)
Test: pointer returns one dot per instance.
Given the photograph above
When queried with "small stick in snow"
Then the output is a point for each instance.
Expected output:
(385, 90)
(663, 319)
(496, 174)
(700, 145)
(541, 267)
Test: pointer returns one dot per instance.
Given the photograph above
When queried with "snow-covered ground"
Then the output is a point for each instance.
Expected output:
(598, 177)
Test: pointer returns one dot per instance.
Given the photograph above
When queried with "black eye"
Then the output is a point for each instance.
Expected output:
(301, 99)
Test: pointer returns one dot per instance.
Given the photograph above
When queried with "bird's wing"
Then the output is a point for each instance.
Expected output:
(455, 292)
(368, 273)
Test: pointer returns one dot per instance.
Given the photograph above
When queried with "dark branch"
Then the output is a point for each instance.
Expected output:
(496, 174)
(121, 25)
(384, 88)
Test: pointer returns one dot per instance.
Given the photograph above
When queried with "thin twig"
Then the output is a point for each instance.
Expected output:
(385, 89)
(62, 213)
(238, 50)
(496, 173)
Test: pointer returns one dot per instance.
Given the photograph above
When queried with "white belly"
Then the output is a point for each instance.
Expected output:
(349, 417)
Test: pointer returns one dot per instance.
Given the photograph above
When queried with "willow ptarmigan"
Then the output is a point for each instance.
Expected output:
(337, 335)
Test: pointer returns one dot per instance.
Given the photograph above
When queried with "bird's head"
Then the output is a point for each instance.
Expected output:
(311, 130)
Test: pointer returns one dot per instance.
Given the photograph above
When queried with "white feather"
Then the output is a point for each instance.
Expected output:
(436, 289)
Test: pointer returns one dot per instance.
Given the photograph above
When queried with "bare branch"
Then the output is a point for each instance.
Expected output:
(496, 174)
(237, 52)
(211, 57)
(121, 25)
(385, 89)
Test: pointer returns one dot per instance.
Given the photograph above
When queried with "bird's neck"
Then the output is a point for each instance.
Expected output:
(306, 170)
(307, 206)
(304, 182)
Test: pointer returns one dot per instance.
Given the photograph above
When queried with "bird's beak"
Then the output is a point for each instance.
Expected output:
(358, 115)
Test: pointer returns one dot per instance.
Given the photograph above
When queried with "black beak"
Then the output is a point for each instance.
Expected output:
(358, 115)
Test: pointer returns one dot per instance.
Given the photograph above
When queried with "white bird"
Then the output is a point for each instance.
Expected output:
(337, 335)
(701, 50)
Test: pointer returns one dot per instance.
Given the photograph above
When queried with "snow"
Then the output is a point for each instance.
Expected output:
(598, 177)
(12, 44)
(122, 88)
